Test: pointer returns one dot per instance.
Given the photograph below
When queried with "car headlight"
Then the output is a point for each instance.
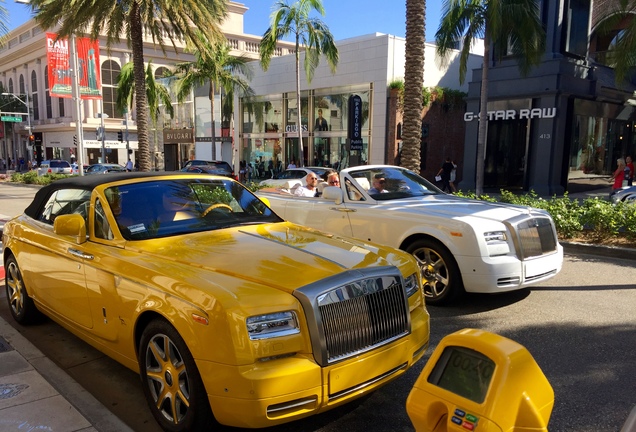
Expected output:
(497, 243)
(272, 325)
(411, 284)
(495, 236)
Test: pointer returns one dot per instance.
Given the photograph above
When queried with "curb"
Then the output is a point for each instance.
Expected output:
(603, 251)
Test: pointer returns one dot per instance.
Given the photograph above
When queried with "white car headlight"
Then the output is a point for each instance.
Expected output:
(272, 325)
(497, 243)
(495, 236)
(411, 284)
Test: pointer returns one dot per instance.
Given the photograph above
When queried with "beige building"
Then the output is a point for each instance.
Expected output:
(23, 72)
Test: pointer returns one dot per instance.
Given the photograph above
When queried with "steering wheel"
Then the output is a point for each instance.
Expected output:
(215, 206)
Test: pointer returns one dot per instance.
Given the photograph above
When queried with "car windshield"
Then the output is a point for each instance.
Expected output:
(60, 164)
(389, 183)
(163, 208)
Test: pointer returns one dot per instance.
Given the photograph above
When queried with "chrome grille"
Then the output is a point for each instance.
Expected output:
(362, 310)
(533, 235)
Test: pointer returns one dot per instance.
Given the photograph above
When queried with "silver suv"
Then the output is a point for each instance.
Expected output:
(54, 166)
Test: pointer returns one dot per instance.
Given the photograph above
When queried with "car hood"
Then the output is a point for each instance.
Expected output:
(449, 206)
(282, 255)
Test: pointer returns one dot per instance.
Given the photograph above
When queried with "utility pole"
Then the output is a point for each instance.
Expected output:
(127, 139)
(102, 115)
(78, 113)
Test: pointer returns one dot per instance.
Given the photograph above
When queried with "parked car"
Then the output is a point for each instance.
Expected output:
(75, 168)
(462, 244)
(195, 283)
(219, 165)
(54, 166)
(104, 168)
(222, 169)
(293, 175)
(626, 194)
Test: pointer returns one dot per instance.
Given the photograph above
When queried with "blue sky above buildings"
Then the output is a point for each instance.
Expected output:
(345, 18)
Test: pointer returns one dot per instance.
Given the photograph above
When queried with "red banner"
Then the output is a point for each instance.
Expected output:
(59, 67)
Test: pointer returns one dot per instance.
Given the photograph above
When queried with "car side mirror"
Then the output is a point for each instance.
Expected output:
(265, 201)
(71, 225)
(333, 193)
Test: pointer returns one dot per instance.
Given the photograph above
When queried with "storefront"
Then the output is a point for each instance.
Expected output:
(270, 124)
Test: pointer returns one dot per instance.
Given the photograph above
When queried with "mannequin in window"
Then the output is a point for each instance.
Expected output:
(321, 122)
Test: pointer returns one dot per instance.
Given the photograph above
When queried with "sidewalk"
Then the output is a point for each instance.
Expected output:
(35, 394)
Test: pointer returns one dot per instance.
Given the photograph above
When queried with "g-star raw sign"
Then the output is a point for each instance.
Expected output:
(513, 115)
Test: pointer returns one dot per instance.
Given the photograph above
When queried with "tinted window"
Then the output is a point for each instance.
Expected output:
(170, 207)
(60, 164)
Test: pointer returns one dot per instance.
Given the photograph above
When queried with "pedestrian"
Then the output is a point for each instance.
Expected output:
(291, 165)
(243, 171)
(629, 170)
(618, 176)
(445, 174)
(129, 165)
(453, 177)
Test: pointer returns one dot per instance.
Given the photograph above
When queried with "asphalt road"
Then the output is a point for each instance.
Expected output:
(580, 327)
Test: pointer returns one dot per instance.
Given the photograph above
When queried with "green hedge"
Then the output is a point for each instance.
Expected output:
(594, 217)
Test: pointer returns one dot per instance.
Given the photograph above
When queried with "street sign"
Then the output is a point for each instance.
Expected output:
(10, 119)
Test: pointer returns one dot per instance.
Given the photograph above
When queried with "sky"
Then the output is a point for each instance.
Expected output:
(345, 18)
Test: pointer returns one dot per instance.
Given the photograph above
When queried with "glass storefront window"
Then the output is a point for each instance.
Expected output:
(262, 116)
(292, 113)
(335, 110)
(265, 155)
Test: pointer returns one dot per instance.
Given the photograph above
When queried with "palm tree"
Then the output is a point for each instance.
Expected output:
(311, 33)
(156, 93)
(4, 23)
(511, 25)
(135, 20)
(219, 69)
(618, 23)
(413, 84)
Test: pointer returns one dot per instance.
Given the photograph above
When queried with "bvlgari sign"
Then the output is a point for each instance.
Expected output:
(178, 136)
(514, 114)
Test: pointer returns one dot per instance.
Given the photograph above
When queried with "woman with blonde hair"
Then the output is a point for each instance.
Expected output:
(618, 176)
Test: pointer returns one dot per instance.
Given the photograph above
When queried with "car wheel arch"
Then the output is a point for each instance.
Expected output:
(453, 265)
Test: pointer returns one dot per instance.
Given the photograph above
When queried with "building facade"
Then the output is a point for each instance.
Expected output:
(23, 72)
(564, 123)
(269, 122)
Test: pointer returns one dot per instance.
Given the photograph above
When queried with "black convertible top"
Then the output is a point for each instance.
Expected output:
(82, 182)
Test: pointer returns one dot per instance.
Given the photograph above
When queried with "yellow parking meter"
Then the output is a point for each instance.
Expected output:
(480, 381)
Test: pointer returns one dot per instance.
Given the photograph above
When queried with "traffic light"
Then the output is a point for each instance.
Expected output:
(120, 136)
(75, 140)
(31, 138)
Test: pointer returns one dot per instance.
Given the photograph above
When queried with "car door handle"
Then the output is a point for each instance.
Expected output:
(80, 254)
(343, 209)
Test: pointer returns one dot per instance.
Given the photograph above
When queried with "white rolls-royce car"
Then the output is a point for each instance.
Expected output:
(462, 244)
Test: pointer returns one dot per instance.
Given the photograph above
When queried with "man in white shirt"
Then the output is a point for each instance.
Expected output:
(310, 189)
(129, 165)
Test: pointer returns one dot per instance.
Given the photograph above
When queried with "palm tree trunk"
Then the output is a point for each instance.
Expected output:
(413, 83)
(483, 120)
(301, 161)
(213, 134)
(141, 102)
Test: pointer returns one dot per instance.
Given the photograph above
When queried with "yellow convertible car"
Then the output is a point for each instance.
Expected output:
(228, 313)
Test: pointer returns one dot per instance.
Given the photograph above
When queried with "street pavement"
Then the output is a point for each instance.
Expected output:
(36, 394)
